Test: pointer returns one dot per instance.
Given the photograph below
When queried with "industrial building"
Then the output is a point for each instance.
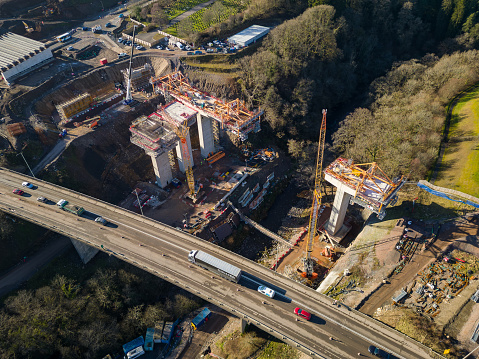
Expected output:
(19, 55)
(248, 36)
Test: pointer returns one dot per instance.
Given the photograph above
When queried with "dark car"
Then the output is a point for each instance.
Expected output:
(302, 313)
(18, 191)
(378, 352)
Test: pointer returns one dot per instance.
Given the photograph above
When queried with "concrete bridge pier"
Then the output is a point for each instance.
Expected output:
(338, 212)
(180, 155)
(85, 251)
(162, 168)
(205, 133)
(244, 323)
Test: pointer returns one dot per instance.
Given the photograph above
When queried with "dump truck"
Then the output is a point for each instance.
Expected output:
(64, 205)
(201, 318)
(216, 265)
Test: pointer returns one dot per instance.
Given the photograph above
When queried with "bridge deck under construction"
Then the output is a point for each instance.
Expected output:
(233, 116)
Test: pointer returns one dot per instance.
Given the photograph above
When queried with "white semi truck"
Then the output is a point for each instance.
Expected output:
(215, 265)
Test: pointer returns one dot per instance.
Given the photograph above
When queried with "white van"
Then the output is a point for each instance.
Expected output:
(135, 353)
(180, 45)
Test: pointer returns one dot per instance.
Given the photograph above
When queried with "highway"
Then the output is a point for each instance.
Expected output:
(163, 251)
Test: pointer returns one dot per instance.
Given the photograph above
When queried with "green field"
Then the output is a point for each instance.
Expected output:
(460, 166)
(231, 7)
(180, 6)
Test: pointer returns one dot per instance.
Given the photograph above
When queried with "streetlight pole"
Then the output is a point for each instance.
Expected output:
(139, 204)
(102, 7)
(21, 153)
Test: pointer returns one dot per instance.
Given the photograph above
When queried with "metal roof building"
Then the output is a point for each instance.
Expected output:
(249, 35)
(20, 55)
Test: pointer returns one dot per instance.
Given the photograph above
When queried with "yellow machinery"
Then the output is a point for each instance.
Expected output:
(308, 262)
(27, 28)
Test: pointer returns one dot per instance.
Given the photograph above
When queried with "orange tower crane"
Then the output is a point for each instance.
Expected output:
(308, 262)
(182, 131)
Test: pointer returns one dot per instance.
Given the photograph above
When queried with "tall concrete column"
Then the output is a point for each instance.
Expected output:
(161, 166)
(338, 212)
(180, 154)
(205, 132)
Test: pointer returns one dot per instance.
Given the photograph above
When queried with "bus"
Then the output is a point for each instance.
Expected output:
(65, 37)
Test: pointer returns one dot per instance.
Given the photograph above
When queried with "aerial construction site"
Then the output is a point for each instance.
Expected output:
(199, 163)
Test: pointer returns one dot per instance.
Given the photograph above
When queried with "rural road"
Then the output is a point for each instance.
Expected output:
(23, 271)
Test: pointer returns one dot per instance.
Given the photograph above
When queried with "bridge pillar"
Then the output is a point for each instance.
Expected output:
(162, 168)
(244, 323)
(85, 251)
(338, 212)
(205, 133)
(180, 155)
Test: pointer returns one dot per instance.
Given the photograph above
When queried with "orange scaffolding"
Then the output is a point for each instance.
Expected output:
(232, 115)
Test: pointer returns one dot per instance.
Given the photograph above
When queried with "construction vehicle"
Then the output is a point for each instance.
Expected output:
(182, 131)
(308, 262)
(27, 27)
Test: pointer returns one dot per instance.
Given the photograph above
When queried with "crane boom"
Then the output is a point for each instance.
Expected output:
(313, 218)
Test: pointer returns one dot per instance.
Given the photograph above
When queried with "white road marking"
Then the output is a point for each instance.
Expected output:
(148, 234)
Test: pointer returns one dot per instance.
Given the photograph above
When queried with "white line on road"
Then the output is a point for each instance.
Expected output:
(148, 234)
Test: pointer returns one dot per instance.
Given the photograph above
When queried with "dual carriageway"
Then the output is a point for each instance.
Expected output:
(163, 251)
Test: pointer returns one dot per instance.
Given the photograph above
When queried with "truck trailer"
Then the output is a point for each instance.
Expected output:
(64, 205)
(213, 264)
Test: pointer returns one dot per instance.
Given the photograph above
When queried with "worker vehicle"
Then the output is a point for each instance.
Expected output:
(266, 291)
(302, 313)
(18, 191)
(122, 55)
(42, 199)
(215, 265)
(101, 220)
(28, 185)
(64, 205)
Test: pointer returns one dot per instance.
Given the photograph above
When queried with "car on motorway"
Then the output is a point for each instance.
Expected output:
(266, 291)
(101, 220)
(378, 352)
(302, 313)
(28, 185)
(42, 199)
(18, 191)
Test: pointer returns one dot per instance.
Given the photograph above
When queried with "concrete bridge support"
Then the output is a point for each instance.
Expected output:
(162, 168)
(181, 155)
(85, 251)
(205, 132)
(338, 212)
(244, 323)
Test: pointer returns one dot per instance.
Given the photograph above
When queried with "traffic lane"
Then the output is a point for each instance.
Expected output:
(251, 302)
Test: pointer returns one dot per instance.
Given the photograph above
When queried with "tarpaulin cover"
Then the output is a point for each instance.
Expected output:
(444, 195)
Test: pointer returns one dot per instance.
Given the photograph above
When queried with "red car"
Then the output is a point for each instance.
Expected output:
(18, 191)
(302, 313)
